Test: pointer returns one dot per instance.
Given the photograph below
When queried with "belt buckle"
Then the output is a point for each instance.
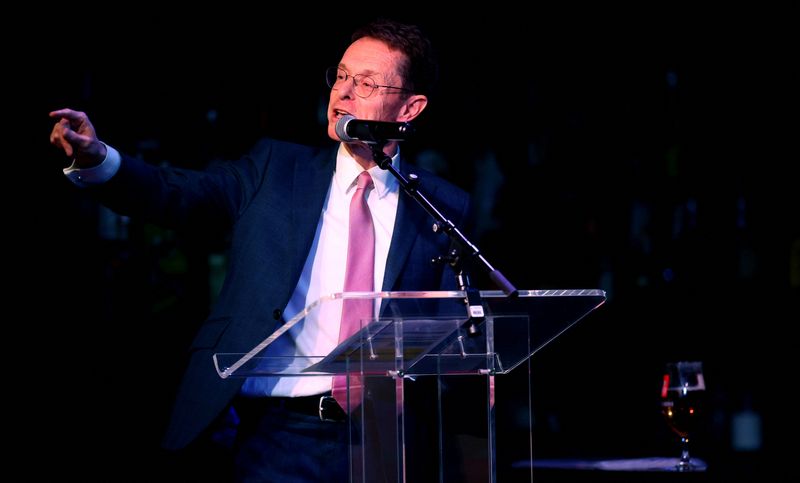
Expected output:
(327, 404)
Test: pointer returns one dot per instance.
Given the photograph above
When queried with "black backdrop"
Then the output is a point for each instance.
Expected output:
(643, 153)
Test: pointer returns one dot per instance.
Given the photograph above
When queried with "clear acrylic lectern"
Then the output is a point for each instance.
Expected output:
(427, 411)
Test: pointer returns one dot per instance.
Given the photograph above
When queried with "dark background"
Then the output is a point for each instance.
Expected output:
(643, 153)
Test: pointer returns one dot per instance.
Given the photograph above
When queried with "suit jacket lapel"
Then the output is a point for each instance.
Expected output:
(310, 186)
(408, 223)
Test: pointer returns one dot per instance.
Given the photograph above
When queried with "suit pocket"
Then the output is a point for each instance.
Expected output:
(210, 333)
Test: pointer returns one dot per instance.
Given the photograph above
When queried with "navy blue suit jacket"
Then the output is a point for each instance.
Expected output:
(271, 200)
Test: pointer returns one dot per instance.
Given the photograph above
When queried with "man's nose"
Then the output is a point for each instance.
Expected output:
(347, 88)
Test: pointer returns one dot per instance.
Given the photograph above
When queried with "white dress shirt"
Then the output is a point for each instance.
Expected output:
(323, 274)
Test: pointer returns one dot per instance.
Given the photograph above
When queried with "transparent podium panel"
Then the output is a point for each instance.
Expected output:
(429, 377)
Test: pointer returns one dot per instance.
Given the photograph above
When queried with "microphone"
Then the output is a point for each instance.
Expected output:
(349, 129)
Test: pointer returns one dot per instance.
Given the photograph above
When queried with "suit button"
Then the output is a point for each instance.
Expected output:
(276, 314)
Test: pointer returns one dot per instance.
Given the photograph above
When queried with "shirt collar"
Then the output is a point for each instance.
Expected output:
(348, 169)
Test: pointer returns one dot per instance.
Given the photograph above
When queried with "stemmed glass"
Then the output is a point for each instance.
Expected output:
(681, 395)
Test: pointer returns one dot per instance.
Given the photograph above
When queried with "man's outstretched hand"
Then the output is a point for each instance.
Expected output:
(75, 134)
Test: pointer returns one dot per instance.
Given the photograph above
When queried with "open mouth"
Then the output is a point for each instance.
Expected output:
(338, 113)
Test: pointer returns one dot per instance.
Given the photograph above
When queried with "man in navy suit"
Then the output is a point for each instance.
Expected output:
(286, 208)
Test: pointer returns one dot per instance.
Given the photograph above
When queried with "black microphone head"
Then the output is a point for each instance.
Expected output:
(350, 129)
(341, 128)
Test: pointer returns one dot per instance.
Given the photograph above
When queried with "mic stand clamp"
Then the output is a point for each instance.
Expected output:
(473, 299)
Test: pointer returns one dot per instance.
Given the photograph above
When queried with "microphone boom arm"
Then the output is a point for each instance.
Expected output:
(467, 248)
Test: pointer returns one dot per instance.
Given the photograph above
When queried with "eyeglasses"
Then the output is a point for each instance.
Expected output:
(363, 85)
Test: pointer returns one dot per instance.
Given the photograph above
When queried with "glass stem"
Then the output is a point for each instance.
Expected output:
(684, 464)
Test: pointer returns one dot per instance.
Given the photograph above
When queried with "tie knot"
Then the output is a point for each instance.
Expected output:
(364, 180)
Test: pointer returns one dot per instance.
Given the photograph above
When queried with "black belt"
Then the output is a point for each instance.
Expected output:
(323, 406)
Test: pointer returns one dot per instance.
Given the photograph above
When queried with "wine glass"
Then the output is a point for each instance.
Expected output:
(682, 392)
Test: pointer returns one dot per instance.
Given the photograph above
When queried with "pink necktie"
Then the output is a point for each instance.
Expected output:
(358, 277)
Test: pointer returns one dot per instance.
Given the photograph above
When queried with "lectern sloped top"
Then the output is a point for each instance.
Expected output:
(422, 333)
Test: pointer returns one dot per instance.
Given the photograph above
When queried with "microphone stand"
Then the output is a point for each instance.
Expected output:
(459, 258)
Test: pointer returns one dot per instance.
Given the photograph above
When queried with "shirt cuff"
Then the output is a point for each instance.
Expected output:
(97, 175)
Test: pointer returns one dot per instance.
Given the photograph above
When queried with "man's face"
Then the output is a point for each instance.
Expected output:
(370, 57)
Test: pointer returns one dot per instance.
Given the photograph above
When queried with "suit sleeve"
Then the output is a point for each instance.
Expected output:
(174, 197)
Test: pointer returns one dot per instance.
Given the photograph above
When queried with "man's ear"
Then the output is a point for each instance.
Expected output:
(412, 107)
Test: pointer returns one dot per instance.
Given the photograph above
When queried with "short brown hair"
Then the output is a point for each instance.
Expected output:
(420, 70)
